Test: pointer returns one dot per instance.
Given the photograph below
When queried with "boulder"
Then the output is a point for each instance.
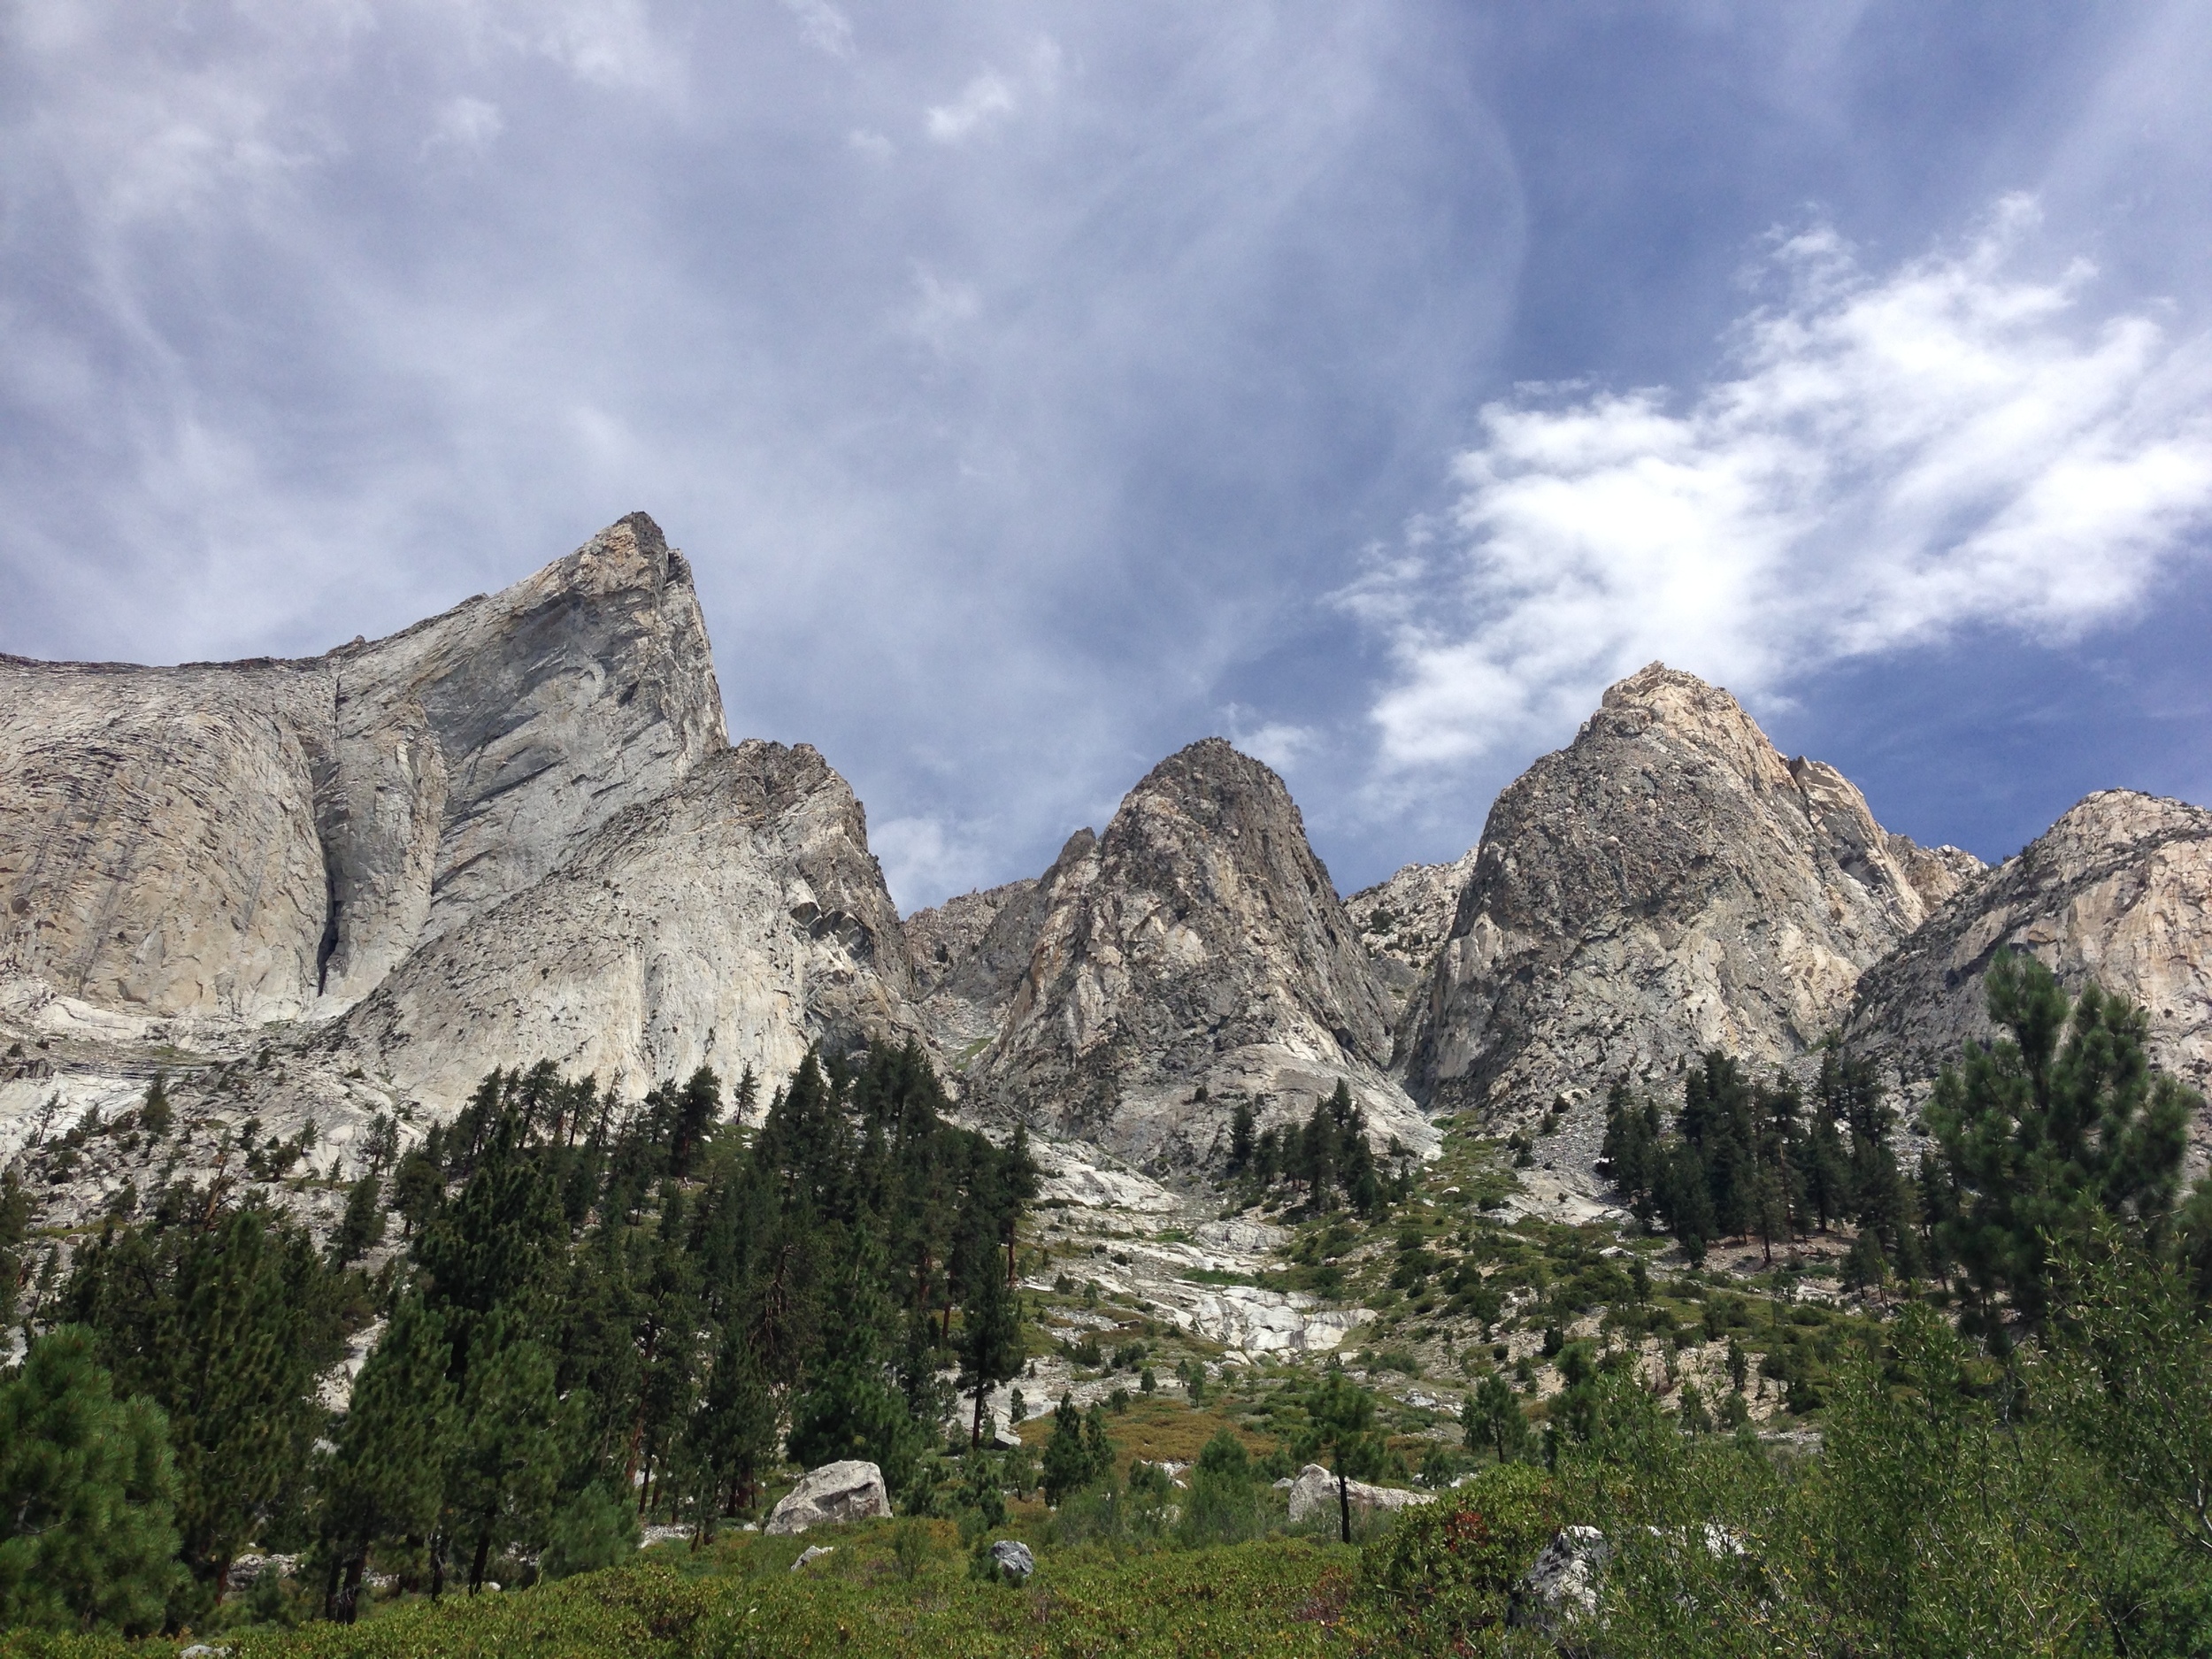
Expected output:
(1562, 1581)
(812, 1553)
(829, 1497)
(1313, 1491)
(1013, 1560)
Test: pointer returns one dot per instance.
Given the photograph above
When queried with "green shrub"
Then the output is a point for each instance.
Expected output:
(1447, 1570)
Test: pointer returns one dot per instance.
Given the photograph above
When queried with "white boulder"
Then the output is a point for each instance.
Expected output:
(830, 1495)
(1314, 1491)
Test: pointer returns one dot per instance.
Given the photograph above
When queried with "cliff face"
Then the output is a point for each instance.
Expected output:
(158, 843)
(513, 832)
(2119, 891)
(1666, 884)
(475, 751)
(1194, 955)
(244, 839)
(729, 922)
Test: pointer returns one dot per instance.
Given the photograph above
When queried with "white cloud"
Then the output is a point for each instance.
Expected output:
(926, 856)
(941, 308)
(1276, 743)
(823, 25)
(609, 44)
(1892, 458)
(984, 101)
(871, 143)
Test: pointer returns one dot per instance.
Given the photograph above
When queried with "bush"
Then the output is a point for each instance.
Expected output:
(1447, 1570)
(595, 1529)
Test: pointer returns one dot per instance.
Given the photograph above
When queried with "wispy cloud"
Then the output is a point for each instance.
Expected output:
(1890, 457)
(468, 125)
(983, 103)
(823, 25)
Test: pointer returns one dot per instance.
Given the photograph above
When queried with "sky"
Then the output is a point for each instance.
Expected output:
(1037, 389)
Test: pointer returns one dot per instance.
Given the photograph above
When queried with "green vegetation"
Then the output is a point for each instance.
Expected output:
(602, 1319)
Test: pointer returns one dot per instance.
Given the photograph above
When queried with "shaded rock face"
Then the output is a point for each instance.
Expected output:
(242, 840)
(729, 923)
(1197, 944)
(159, 847)
(1667, 883)
(2119, 891)
(478, 749)
(971, 953)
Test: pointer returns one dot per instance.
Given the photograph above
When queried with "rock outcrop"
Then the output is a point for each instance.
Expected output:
(1666, 884)
(1403, 922)
(971, 953)
(1196, 955)
(2119, 891)
(1312, 1492)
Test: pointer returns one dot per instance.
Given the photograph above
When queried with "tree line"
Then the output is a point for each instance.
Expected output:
(2033, 1139)
(602, 1312)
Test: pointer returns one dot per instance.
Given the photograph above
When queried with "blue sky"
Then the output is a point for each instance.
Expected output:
(1036, 388)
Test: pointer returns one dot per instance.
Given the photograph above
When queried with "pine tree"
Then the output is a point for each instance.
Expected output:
(1341, 1414)
(990, 1342)
(156, 1117)
(86, 1492)
(1068, 1465)
(2049, 1131)
(1492, 1419)
(1240, 1132)
(388, 1476)
(499, 1483)
(361, 1228)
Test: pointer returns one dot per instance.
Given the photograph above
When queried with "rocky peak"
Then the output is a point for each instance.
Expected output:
(246, 840)
(1403, 919)
(1196, 954)
(2118, 891)
(1665, 884)
(476, 749)
(971, 953)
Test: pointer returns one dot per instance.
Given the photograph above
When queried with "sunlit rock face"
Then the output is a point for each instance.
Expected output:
(514, 831)
(730, 922)
(260, 839)
(1194, 955)
(2118, 891)
(1666, 884)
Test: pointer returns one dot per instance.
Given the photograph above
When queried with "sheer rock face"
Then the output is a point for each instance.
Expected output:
(971, 953)
(1667, 883)
(242, 839)
(1198, 944)
(515, 831)
(2119, 891)
(478, 749)
(158, 843)
(727, 923)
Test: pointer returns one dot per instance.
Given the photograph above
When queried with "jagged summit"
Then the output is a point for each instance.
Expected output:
(1668, 882)
(1199, 946)
(517, 829)
(265, 838)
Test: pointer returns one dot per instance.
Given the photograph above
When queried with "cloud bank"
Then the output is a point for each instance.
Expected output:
(1889, 458)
